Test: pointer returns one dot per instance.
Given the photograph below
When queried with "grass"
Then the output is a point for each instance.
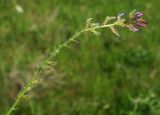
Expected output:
(96, 76)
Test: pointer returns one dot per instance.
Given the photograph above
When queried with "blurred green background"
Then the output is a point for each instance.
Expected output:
(101, 75)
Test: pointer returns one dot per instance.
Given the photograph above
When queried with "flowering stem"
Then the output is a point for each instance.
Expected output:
(22, 93)
(33, 80)
(135, 21)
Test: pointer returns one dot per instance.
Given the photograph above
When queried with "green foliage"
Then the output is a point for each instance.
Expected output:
(96, 76)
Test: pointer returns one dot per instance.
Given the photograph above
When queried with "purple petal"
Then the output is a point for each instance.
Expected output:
(132, 28)
(138, 15)
(142, 21)
(141, 24)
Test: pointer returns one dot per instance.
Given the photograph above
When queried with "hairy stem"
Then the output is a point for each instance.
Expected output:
(32, 82)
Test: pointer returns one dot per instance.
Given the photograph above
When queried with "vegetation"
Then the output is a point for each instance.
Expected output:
(99, 75)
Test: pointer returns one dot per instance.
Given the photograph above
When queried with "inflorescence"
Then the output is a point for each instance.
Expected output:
(133, 21)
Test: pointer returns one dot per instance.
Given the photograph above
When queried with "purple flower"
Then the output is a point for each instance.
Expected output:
(141, 23)
(138, 15)
(132, 28)
(135, 21)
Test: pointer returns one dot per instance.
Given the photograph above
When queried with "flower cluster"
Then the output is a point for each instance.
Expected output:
(135, 21)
